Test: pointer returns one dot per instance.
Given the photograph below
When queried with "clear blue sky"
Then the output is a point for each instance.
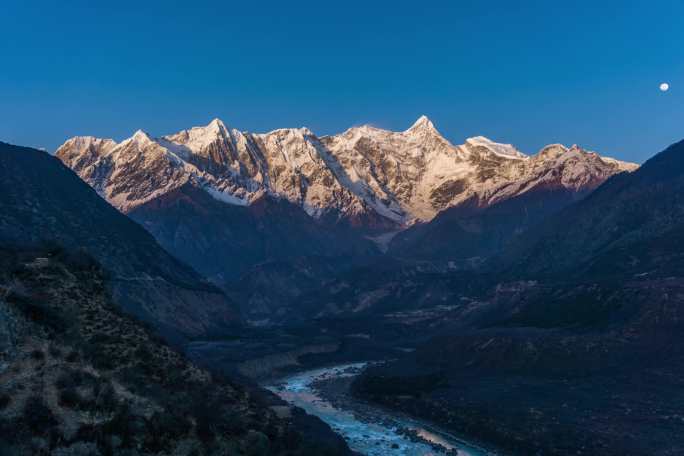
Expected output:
(528, 73)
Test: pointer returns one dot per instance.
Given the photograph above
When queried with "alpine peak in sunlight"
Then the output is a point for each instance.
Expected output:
(367, 176)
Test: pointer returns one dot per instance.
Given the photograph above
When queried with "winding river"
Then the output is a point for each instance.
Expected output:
(368, 430)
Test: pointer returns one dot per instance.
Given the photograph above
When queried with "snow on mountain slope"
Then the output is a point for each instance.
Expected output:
(503, 150)
(395, 172)
(417, 173)
(366, 176)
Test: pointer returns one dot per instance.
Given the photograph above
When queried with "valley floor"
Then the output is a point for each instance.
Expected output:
(369, 430)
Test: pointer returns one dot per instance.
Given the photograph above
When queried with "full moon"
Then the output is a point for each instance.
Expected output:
(664, 87)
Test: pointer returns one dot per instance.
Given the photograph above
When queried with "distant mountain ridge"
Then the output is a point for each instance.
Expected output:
(366, 177)
(229, 203)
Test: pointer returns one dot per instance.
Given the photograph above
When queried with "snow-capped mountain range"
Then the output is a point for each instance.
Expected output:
(371, 177)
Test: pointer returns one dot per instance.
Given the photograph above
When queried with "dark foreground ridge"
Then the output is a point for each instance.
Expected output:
(79, 377)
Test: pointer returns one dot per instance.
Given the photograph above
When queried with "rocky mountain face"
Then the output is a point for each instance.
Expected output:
(365, 177)
(498, 209)
(234, 167)
(417, 173)
(79, 377)
(44, 202)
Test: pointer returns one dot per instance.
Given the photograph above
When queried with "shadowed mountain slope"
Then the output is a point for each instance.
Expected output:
(586, 353)
(42, 201)
(79, 377)
(614, 231)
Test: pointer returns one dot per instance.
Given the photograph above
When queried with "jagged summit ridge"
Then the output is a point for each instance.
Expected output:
(365, 173)
(423, 123)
